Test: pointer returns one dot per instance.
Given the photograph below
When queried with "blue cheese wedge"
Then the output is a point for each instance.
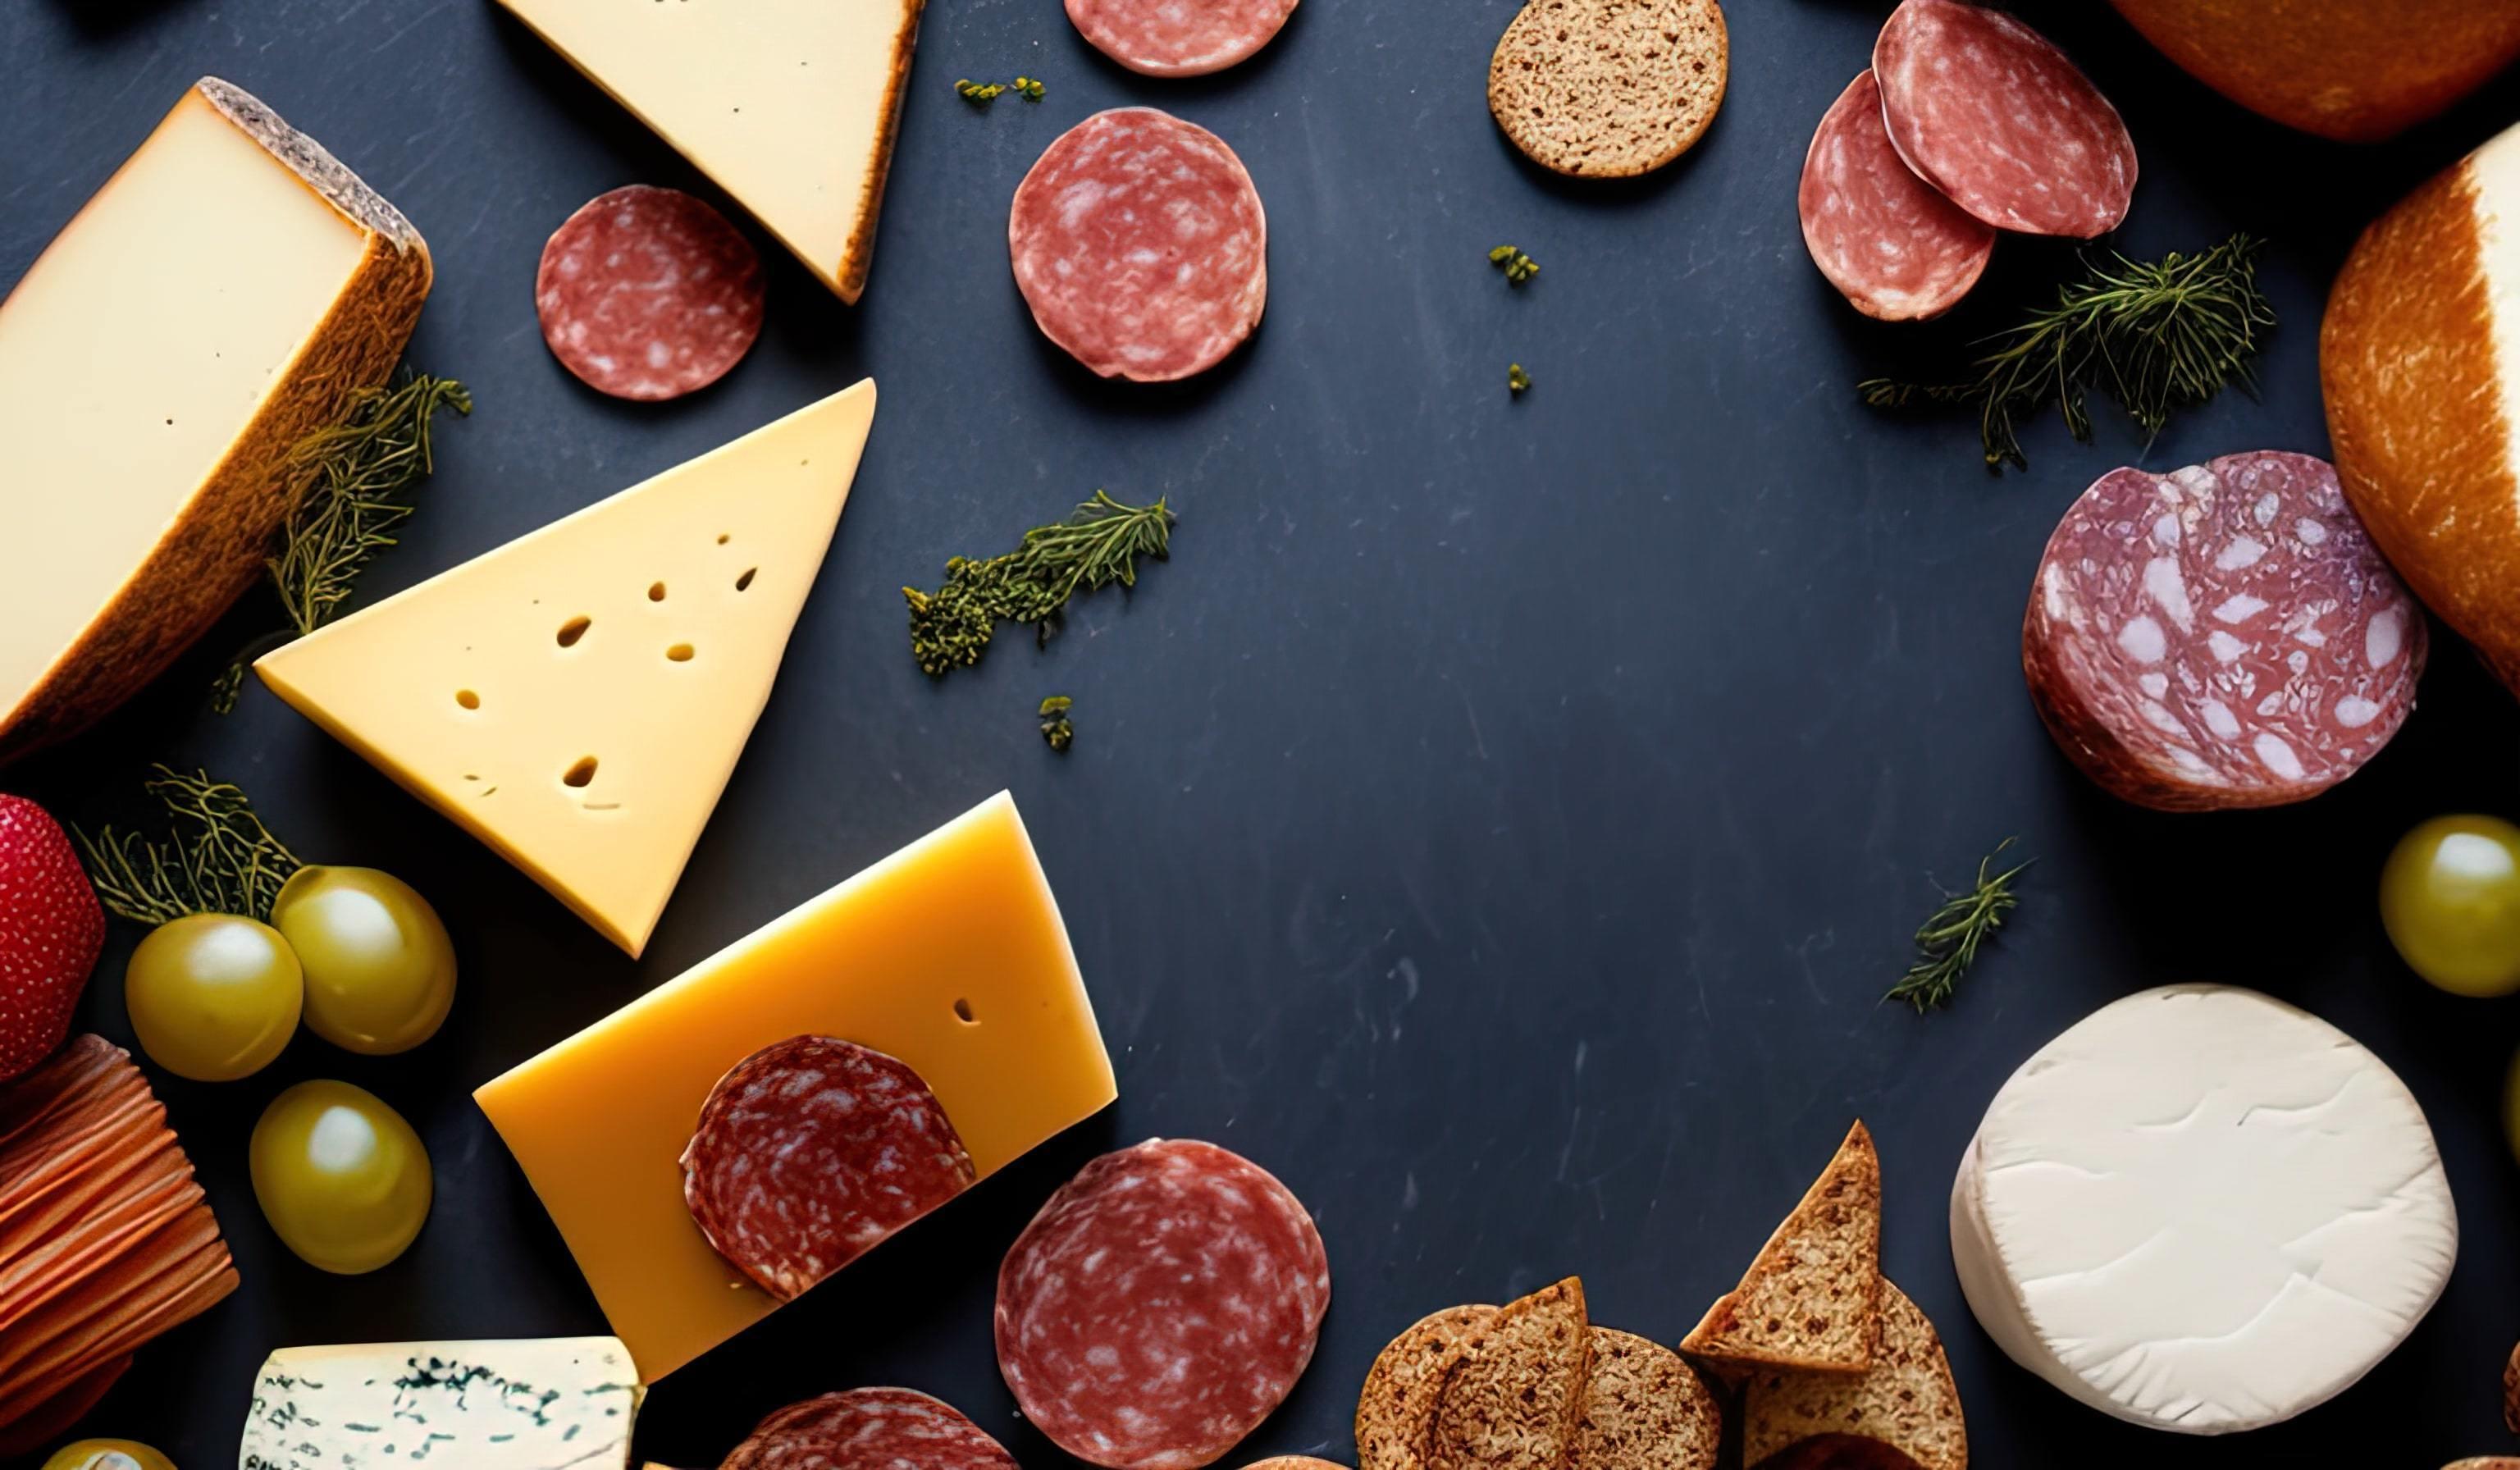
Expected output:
(548, 1403)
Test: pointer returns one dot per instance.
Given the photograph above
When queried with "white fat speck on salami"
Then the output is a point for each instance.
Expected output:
(1139, 243)
(1888, 241)
(649, 293)
(1179, 37)
(2221, 636)
(870, 1429)
(1160, 1305)
(812, 1150)
(1989, 111)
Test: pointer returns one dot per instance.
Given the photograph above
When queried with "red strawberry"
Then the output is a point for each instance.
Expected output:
(50, 932)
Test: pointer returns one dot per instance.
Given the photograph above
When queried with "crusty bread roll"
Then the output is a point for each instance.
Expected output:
(2420, 358)
(2356, 70)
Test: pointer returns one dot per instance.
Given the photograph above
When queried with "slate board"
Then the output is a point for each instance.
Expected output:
(1501, 819)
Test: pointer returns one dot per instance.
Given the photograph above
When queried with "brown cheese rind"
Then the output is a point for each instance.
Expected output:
(851, 274)
(1515, 1398)
(1812, 1298)
(2406, 362)
(216, 546)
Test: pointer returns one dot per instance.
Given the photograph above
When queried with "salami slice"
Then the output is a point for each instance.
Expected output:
(1179, 37)
(809, 1152)
(868, 1429)
(1993, 115)
(2221, 636)
(1886, 238)
(649, 293)
(1139, 246)
(1160, 1305)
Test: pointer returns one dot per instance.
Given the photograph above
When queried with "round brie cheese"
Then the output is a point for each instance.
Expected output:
(2202, 1210)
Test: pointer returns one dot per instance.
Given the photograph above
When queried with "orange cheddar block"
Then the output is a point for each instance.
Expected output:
(949, 955)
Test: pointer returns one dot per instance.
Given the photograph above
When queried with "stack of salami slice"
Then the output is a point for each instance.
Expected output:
(105, 1238)
(1968, 124)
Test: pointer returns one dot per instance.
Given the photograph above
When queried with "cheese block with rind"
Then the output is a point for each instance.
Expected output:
(223, 295)
(578, 698)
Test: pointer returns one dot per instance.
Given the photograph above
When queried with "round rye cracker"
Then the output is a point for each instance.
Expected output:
(1609, 88)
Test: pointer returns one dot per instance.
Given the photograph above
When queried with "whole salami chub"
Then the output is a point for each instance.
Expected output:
(1886, 238)
(1179, 37)
(868, 1429)
(1139, 244)
(1993, 115)
(2221, 636)
(809, 1152)
(1160, 1305)
(649, 293)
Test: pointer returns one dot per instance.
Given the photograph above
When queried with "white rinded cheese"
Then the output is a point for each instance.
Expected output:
(548, 1403)
(2202, 1210)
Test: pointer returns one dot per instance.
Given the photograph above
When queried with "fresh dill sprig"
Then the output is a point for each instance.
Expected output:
(979, 94)
(1055, 726)
(1517, 266)
(2157, 336)
(1029, 88)
(1947, 944)
(1515, 379)
(219, 858)
(1096, 546)
(349, 488)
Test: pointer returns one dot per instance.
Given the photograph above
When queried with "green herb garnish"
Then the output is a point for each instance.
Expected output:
(979, 94)
(217, 859)
(1029, 88)
(1094, 548)
(1517, 379)
(1517, 266)
(1054, 722)
(349, 486)
(2156, 336)
(1947, 944)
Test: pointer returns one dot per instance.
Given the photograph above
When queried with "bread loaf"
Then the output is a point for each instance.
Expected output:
(2420, 358)
(2356, 70)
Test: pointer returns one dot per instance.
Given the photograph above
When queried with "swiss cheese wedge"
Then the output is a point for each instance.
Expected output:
(577, 698)
(789, 105)
(222, 296)
(949, 955)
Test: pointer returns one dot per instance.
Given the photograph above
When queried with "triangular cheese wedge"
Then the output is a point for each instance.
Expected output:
(1812, 1300)
(789, 105)
(577, 698)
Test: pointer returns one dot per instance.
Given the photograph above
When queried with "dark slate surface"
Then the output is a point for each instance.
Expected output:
(1501, 819)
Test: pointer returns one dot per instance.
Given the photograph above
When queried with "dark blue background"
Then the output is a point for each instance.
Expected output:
(1501, 819)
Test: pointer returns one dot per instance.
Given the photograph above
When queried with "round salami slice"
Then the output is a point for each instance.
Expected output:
(1993, 115)
(1139, 246)
(870, 1429)
(1886, 238)
(809, 1152)
(1160, 1305)
(649, 293)
(1179, 37)
(2221, 636)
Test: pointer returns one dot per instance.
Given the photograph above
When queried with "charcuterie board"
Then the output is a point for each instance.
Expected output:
(1497, 812)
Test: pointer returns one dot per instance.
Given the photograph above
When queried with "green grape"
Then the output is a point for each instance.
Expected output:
(2449, 898)
(213, 996)
(343, 1178)
(107, 1454)
(379, 969)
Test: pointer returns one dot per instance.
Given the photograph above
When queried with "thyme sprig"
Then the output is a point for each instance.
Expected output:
(1096, 547)
(2156, 335)
(219, 858)
(1948, 942)
(1029, 88)
(1517, 266)
(1055, 725)
(1515, 379)
(979, 94)
(349, 488)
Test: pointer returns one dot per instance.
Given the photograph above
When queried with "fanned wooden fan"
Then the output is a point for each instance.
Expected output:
(105, 1240)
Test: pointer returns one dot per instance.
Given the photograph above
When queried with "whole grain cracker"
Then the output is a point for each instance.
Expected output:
(1609, 88)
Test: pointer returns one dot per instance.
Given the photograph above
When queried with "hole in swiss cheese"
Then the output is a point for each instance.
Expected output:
(573, 629)
(581, 773)
(962, 1011)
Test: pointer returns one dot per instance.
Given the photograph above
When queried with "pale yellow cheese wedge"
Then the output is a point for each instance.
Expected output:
(578, 698)
(221, 298)
(789, 105)
(949, 955)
